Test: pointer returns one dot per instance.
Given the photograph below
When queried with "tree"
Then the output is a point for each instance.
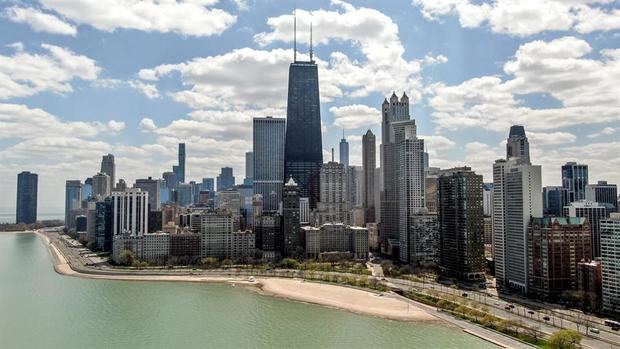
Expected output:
(126, 257)
(565, 339)
(289, 263)
(209, 262)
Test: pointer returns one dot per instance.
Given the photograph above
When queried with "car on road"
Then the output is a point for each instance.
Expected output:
(595, 330)
(546, 318)
(508, 308)
(464, 295)
(531, 312)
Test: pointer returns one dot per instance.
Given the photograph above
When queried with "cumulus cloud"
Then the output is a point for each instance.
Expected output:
(25, 74)
(585, 87)
(147, 125)
(373, 32)
(21, 122)
(604, 132)
(149, 90)
(187, 17)
(355, 116)
(39, 21)
(526, 17)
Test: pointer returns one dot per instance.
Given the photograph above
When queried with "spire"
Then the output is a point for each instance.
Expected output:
(332, 154)
(295, 36)
(343, 134)
(311, 43)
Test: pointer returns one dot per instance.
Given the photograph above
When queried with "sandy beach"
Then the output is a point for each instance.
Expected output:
(358, 301)
(355, 300)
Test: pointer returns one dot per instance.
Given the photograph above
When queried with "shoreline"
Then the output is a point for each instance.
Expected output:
(350, 299)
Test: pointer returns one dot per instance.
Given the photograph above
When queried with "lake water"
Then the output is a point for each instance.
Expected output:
(41, 309)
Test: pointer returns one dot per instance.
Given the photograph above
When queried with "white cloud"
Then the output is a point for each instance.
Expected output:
(21, 122)
(116, 126)
(355, 116)
(147, 125)
(187, 17)
(551, 138)
(242, 5)
(149, 90)
(586, 88)
(25, 74)
(374, 33)
(526, 17)
(39, 21)
(604, 132)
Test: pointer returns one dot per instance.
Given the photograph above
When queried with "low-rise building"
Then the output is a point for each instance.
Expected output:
(242, 245)
(336, 237)
(156, 249)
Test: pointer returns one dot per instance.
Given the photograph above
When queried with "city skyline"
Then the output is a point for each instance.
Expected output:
(143, 137)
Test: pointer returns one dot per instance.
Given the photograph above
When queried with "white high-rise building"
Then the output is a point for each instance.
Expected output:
(516, 198)
(594, 212)
(610, 263)
(130, 212)
(410, 179)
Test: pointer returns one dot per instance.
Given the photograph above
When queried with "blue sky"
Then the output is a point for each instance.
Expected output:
(81, 79)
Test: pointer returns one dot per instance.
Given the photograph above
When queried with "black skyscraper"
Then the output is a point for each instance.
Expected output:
(303, 154)
(26, 197)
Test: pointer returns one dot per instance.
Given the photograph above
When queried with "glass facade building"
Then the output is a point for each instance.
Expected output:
(303, 147)
(268, 148)
(575, 179)
(27, 185)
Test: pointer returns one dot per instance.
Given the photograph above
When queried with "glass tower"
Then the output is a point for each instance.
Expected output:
(303, 153)
(26, 197)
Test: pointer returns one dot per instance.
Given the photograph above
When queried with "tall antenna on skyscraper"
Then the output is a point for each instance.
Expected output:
(311, 43)
(295, 36)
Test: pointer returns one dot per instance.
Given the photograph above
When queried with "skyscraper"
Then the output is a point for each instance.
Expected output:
(225, 179)
(518, 146)
(461, 224)
(334, 206)
(151, 186)
(181, 167)
(369, 163)
(27, 189)
(554, 200)
(293, 243)
(344, 151)
(108, 167)
(410, 177)
(102, 187)
(207, 184)
(130, 212)
(575, 179)
(594, 212)
(268, 150)
(392, 111)
(603, 192)
(303, 155)
(73, 200)
(249, 168)
(516, 198)
(610, 263)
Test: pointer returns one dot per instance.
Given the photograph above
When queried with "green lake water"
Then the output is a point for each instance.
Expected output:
(41, 309)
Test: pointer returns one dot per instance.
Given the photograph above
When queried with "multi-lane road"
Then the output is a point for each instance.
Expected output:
(545, 320)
